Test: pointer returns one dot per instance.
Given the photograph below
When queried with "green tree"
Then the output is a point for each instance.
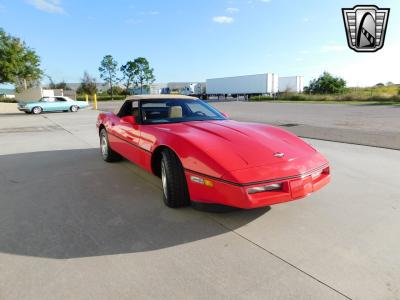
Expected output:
(128, 73)
(143, 74)
(108, 71)
(88, 85)
(62, 85)
(116, 91)
(19, 64)
(326, 84)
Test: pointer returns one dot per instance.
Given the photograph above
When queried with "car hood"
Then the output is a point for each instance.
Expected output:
(237, 145)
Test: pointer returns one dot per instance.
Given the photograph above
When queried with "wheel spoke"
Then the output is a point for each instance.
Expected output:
(104, 147)
(164, 180)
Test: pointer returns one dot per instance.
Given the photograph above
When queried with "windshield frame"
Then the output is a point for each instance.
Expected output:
(219, 116)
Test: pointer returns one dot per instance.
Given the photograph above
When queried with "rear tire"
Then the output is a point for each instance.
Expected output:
(37, 110)
(107, 153)
(175, 190)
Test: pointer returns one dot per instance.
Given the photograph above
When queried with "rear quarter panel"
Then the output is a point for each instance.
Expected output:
(81, 104)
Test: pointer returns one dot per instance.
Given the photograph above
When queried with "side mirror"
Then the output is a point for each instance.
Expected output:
(129, 119)
(225, 115)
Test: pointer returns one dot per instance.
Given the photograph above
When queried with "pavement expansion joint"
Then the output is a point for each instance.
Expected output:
(281, 259)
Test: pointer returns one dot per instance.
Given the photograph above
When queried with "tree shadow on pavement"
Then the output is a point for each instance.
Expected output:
(13, 114)
(69, 204)
(391, 104)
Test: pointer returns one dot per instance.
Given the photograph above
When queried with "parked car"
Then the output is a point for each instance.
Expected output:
(202, 156)
(47, 104)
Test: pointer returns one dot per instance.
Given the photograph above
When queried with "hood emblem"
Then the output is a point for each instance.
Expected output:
(279, 154)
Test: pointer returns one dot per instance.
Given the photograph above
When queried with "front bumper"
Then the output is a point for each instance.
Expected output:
(236, 195)
(23, 108)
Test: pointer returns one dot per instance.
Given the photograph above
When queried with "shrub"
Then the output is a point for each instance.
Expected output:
(100, 98)
(327, 84)
(261, 98)
(7, 100)
(294, 97)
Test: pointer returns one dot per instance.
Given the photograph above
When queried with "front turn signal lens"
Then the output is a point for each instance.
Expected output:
(208, 183)
(199, 180)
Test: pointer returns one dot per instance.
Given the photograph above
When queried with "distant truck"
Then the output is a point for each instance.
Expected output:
(247, 86)
(291, 84)
(195, 90)
(164, 91)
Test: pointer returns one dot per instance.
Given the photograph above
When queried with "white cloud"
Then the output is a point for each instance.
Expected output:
(332, 48)
(306, 20)
(232, 10)
(149, 13)
(253, 2)
(223, 19)
(133, 21)
(367, 69)
(49, 6)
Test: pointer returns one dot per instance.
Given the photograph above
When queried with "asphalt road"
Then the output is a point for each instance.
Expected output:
(74, 227)
(370, 125)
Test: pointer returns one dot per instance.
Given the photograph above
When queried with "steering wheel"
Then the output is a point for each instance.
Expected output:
(200, 113)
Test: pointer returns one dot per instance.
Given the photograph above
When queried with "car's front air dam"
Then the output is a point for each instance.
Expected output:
(236, 195)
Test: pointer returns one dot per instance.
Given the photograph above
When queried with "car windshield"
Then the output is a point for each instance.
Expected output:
(177, 110)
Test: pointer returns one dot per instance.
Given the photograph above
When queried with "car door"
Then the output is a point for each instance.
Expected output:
(49, 104)
(62, 104)
(126, 136)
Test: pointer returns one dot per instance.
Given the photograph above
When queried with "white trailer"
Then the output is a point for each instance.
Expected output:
(260, 84)
(191, 89)
(291, 84)
(196, 89)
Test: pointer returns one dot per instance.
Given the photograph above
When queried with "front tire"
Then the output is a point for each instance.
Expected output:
(74, 108)
(107, 153)
(37, 110)
(175, 190)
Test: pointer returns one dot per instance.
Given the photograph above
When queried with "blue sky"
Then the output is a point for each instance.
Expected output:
(195, 40)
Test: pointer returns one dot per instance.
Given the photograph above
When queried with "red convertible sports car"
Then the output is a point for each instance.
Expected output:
(202, 156)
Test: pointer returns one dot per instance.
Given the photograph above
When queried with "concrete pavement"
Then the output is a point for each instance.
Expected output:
(74, 227)
(369, 125)
(8, 108)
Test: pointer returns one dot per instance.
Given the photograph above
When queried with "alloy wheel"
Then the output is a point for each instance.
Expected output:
(164, 180)
(104, 146)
